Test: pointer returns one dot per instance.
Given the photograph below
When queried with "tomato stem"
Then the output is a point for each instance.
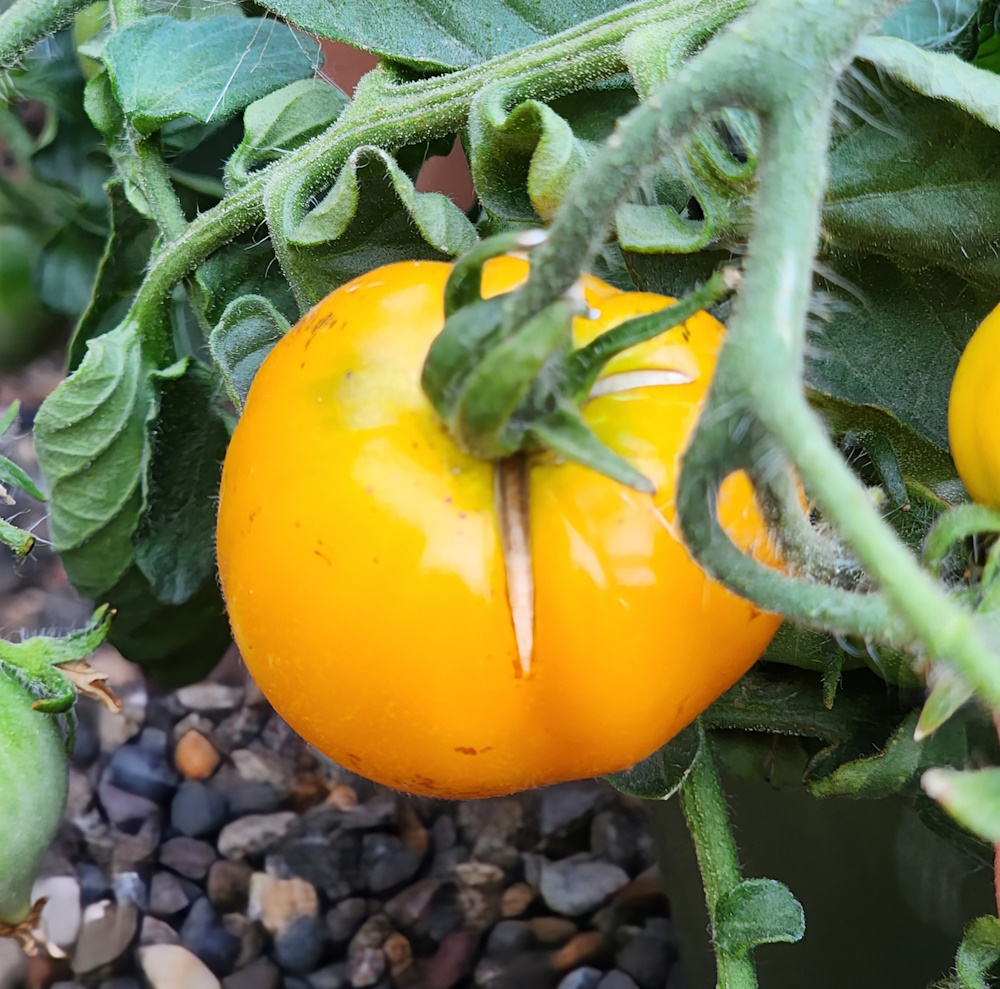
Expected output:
(26, 21)
(704, 807)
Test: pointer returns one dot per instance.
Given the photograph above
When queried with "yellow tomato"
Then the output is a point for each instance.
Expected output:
(974, 413)
(362, 565)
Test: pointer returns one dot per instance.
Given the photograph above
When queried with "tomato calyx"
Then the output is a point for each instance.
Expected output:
(502, 391)
(53, 669)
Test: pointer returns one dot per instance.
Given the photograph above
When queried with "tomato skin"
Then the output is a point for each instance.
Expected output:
(34, 777)
(973, 411)
(371, 605)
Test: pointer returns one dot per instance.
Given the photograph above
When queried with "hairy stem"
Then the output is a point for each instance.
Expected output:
(391, 115)
(704, 808)
(28, 21)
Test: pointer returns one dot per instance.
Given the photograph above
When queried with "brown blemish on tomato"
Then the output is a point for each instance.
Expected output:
(323, 557)
(254, 514)
(352, 759)
(469, 750)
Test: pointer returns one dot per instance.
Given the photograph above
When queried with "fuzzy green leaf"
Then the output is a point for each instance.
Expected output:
(206, 74)
(758, 911)
(249, 328)
(281, 122)
(175, 545)
(430, 35)
(372, 216)
(661, 775)
(978, 953)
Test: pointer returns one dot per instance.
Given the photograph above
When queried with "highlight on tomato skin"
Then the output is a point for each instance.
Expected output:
(973, 405)
(373, 609)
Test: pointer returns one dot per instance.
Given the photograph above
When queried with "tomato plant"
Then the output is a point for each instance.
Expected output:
(844, 155)
(390, 516)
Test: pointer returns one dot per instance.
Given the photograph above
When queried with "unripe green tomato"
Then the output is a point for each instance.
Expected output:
(26, 326)
(34, 776)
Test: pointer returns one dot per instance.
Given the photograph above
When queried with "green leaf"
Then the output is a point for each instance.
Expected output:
(758, 911)
(978, 953)
(879, 775)
(281, 122)
(131, 237)
(92, 446)
(930, 23)
(244, 268)
(175, 644)
(892, 190)
(430, 35)
(662, 774)
(206, 74)
(175, 544)
(372, 216)
(249, 328)
(895, 334)
(972, 797)
(67, 268)
(523, 161)
(13, 476)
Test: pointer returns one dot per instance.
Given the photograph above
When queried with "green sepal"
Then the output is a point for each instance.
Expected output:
(35, 662)
(465, 283)
(586, 364)
(18, 540)
(949, 692)
(565, 432)
(483, 418)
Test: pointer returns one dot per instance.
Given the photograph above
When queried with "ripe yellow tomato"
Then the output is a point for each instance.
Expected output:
(974, 413)
(362, 564)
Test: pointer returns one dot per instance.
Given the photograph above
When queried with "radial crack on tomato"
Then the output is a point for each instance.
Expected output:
(513, 508)
(402, 655)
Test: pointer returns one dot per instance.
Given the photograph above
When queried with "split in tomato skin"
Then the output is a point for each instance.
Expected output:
(371, 605)
(974, 413)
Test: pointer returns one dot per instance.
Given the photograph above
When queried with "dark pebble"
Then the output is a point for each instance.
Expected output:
(246, 797)
(188, 856)
(299, 947)
(617, 980)
(143, 771)
(122, 982)
(229, 884)
(259, 974)
(582, 978)
(197, 810)
(203, 934)
(568, 807)
(578, 885)
(379, 812)
(387, 862)
(621, 837)
(154, 740)
(125, 810)
(87, 746)
(649, 955)
(170, 894)
(94, 883)
(332, 977)
(509, 938)
(332, 863)
(343, 920)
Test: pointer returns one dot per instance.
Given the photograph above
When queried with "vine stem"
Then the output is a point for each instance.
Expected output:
(704, 807)
(28, 21)
(388, 114)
